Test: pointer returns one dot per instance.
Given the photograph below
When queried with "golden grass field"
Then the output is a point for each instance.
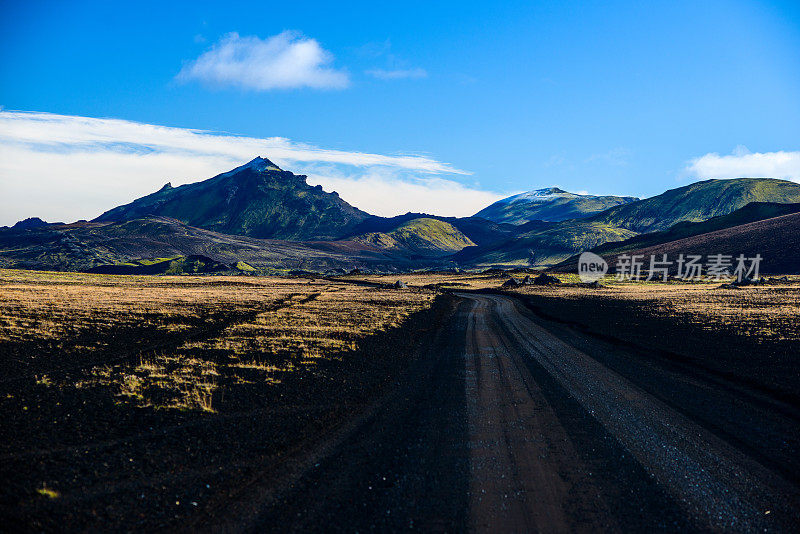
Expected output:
(140, 397)
(751, 331)
(770, 310)
(240, 330)
(262, 328)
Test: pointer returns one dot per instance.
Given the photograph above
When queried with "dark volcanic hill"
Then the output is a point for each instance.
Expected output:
(551, 204)
(755, 211)
(777, 240)
(29, 223)
(256, 200)
(149, 241)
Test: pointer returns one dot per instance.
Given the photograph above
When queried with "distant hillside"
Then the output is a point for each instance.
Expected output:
(143, 242)
(421, 237)
(543, 244)
(257, 200)
(698, 202)
(546, 244)
(550, 204)
(755, 211)
(29, 223)
(777, 240)
(480, 231)
(180, 265)
(227, 218)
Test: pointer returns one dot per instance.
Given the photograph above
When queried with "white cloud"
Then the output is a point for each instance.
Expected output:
(390, 193)
(284, 61)
(397, 74)
(745, 164)
(64, 168)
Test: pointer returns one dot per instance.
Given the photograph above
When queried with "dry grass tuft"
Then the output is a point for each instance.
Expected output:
(44, 491)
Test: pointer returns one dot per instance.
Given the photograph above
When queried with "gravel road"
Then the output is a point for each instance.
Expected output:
(512, 423)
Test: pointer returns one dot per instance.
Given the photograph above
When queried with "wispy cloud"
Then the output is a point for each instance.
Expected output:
(394, 66)
(398, 74)
(389, 192)
(618, 157)
(556, 160)
(284, 61)
(745, 164)
(61, 167)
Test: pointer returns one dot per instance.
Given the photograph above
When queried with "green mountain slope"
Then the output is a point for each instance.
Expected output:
(543, 244)
(698, 202)
(481, 232)
(423, 237)
(550, 204)
(257, 200)
(755, 211)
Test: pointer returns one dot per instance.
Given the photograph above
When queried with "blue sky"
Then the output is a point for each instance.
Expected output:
(605, 97)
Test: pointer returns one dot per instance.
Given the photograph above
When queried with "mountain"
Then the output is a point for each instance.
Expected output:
(257, 199)
(481, 232)
(755, 211)
(546, 244)
(121, 247)
(542, 244)
(551, 204)
(776, 239)
(422, 236)
(697, 202)
(29, 223)
(260, 217)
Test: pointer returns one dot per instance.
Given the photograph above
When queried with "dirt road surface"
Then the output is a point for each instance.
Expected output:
(513, 423)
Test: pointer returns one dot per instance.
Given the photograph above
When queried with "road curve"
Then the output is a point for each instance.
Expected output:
(512, 423)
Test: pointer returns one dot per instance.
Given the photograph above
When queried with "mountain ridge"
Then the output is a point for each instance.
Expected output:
(550, 204)
(546, 244)
(257, 199)
(264, 216)
(698, 201)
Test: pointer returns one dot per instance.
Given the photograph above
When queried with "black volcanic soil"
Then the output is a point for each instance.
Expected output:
(123, 468)
(511, 422)
(482, 414)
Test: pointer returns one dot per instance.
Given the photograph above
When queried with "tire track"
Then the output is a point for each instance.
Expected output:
(716, 483)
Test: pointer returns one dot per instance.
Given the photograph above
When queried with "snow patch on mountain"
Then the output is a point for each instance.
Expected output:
(257, 164)
(540, 196)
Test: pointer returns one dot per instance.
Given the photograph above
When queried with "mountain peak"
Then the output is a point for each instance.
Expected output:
(31, 222)
(540, 195)
(261, 164)
(553, 190)
(256, 199)
(257, 164)
(548, 204)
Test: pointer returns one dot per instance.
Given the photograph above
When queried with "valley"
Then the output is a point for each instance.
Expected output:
(437, 267)
(249, 353)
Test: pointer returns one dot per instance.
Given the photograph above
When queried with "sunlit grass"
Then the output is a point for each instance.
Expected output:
(271, 327)
(49, 493)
